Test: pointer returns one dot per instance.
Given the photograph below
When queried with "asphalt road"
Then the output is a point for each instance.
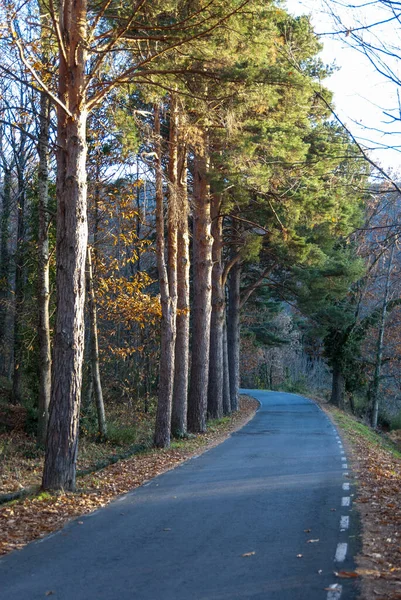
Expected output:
(233, 523)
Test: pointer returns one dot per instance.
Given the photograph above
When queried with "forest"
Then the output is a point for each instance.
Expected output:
(182, 215)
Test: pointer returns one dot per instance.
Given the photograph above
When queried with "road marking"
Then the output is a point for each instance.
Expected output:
(345, 501)
(345, 474)
(335, 592)
(344, 523)
(341, 552)
(346, 487)
(345, 466)
(342, 451)
(343, 458)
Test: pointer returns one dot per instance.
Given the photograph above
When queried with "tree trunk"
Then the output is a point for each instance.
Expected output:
(233, 333)
(226, 373)
(43, 272)
(338, 385)
(202, 289)
(5, 269)
(167, 341)
(181, 371)
(16, 393)
(94, 353)
(216, 359)
(72, 235)
(380, 340)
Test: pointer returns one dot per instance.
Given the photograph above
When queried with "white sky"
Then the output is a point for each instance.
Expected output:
(360, 92)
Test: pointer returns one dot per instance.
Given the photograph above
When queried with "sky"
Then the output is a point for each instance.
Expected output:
(361, 94)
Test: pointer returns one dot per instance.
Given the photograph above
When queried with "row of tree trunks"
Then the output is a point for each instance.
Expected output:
(213, 351)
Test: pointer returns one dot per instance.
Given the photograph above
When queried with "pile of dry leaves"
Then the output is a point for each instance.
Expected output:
(25, 520)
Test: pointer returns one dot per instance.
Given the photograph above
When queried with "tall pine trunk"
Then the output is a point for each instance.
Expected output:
(216, 359)
(202, 294)
(72, 235)
(94, 352)
(168, 295)
(181, 370)
(233, 333)
(226, 373)
(43, 272)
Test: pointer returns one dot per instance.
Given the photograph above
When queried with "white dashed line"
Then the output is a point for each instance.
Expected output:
(341, 552)
(345, 466)
(335, 592)
(345, 501)
(346, 486)
(343, 458)
(344, 523)
(345, 474)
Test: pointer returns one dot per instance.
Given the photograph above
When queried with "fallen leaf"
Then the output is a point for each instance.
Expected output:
(299, 555)
(49, 593)
(347, 574)
(312, 541)
(249, 553)
(307, 530)
(332, 588)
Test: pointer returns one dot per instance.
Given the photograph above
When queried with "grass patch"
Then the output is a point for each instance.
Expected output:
(354, 427)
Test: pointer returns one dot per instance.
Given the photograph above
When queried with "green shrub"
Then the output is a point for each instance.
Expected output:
(122, 435)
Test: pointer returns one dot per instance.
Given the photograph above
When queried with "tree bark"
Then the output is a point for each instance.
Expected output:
(168, 305)
(72, 235)
(338, 385)
(233, 333)
(43, 272)
(94, 353)
(216, 359)
(202, 290)
(181, 371)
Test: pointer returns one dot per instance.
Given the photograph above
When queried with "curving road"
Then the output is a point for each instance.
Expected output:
(234, 523)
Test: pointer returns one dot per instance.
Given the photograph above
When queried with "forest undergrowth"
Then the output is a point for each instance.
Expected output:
(25, 520)
(375, 460)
